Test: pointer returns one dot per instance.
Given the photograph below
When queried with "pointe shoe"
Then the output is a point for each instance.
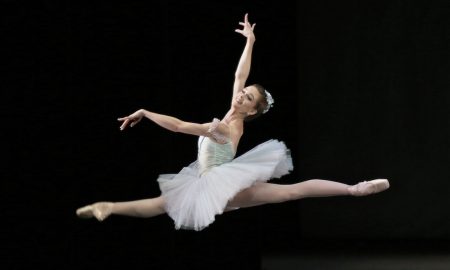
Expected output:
(369, 187)
(100, 210)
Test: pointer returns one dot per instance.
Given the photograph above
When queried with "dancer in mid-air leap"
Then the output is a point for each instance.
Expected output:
(218, 181)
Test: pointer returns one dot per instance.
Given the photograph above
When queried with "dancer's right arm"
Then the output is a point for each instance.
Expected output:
(171, 123)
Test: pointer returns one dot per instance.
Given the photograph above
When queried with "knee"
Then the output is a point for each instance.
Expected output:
(161, 204)
(293, 192)
(285, 195)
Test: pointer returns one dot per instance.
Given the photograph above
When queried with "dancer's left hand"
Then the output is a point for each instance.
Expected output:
(247, 31)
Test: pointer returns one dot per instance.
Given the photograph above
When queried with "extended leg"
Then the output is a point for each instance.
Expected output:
(139, 208)
(263, 193)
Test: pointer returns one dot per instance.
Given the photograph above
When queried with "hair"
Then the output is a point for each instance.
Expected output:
(261, 105)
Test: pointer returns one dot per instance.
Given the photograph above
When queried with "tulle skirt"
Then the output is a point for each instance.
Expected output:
(193, 200)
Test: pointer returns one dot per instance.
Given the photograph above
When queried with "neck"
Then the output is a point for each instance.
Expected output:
(233, 114)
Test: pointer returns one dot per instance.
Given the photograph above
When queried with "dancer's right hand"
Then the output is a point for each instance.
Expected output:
(131, 119)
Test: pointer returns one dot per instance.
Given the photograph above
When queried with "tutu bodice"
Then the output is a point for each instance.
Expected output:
(211, 153)
(214, 151)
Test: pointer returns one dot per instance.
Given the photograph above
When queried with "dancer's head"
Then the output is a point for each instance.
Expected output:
(253, 101)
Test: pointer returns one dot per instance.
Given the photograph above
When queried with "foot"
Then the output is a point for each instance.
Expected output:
(369, 187)
(100, 210)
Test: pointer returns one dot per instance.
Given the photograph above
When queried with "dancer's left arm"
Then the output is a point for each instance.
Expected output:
(171, 123)
(243, 68)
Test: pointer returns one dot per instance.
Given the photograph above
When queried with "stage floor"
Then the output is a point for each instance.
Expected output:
(355, 261)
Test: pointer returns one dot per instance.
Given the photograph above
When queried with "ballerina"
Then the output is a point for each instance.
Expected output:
(218, 181)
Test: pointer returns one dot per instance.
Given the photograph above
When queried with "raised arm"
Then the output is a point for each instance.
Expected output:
(243, 68)
(170, 123)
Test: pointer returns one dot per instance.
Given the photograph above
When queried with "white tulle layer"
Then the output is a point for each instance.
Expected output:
(193, 201)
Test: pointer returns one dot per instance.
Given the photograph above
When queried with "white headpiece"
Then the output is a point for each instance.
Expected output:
(269, 100)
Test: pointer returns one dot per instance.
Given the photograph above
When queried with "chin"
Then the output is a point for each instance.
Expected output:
(235, 105)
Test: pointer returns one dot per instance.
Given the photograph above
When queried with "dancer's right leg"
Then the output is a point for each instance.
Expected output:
(140, 208)
(264, 193)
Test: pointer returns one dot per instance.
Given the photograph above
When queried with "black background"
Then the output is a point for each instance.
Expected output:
(361, 92)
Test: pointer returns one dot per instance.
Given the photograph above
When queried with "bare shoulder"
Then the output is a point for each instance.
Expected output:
(217, 127)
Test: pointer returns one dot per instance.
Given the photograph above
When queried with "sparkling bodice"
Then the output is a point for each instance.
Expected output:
(212, 153)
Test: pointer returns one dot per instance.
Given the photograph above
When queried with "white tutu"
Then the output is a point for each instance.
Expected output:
(193, 200)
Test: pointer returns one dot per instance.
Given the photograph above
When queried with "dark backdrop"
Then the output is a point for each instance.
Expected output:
(374, 103)
(360, 92)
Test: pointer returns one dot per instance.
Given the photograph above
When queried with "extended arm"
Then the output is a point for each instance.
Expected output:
(243, 68)
(171, 123)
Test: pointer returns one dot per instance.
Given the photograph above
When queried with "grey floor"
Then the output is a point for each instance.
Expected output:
(354, 261)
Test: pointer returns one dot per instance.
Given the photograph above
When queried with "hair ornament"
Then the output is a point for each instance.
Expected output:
(269, 100)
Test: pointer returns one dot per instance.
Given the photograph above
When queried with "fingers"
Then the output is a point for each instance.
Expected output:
(134, 122)
(239, 31)
(124, 124)
(125, 120)
(246, 22)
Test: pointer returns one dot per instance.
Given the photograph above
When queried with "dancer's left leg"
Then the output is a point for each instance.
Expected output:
(140, 208)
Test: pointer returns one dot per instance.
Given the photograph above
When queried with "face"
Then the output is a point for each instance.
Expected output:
(246, 100)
